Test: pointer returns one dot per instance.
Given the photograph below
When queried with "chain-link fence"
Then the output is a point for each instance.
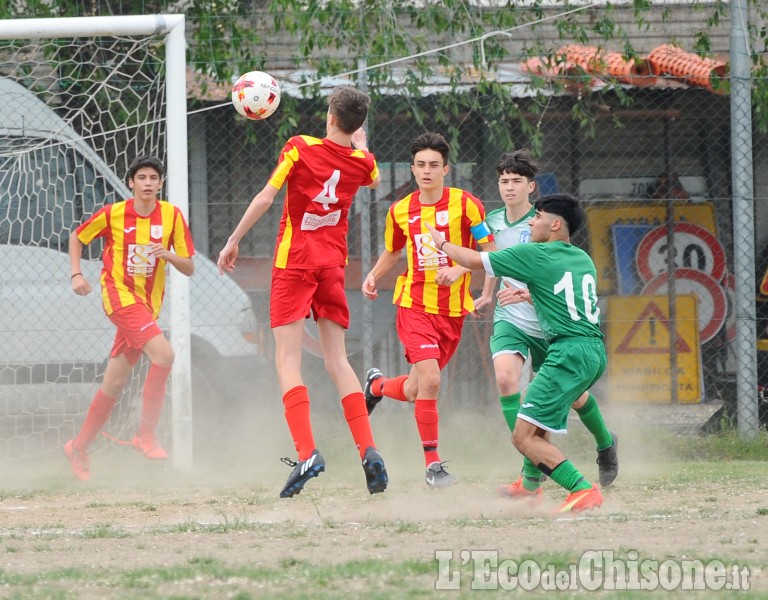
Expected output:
(76, 112)
(651, 160)
(653, 176)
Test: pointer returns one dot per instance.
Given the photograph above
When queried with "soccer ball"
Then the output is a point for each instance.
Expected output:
(256, 95)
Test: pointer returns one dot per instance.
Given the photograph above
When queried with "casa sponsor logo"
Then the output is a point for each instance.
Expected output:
(595, 570)
(140, 261)
(428, 257)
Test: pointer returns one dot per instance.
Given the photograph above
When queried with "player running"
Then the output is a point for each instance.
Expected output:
(433, 294)
(139, 235)
(517, 333)
(562, 283)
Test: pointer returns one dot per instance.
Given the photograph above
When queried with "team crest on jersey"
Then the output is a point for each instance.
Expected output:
(441, 217)
(525, 236)
(156, 232)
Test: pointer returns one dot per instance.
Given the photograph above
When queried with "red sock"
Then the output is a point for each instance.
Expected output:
(426, 420)
(296, 402)
(357, 418)
(391, 387)
(154, 397)
(98, 413)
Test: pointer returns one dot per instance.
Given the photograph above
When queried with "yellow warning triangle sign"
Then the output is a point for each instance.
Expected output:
(650, 334)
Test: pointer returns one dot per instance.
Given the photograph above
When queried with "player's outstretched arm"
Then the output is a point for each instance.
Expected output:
(383, 266)
(511, 295)
(183, 264)
(80, 284)
(449, 275)
(484, 303)
(360, 141)
(375, 183)
(256, 209)
(466, 257)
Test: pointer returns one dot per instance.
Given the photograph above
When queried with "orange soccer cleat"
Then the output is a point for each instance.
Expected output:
(516, 491)
(78, 460)
(148, 446)
(582, 500)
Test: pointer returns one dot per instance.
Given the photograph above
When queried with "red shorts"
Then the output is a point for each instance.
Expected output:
(426, 336)
(296, 292)
(135, 327)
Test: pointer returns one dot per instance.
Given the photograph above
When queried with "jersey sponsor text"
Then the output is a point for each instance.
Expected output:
(311, 222)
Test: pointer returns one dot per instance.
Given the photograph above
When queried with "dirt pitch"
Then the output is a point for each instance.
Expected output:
(147, 530)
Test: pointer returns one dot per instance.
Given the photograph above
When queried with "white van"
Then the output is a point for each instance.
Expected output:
(49, 335)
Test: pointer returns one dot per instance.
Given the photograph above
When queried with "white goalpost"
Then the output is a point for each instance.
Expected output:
(108, 96)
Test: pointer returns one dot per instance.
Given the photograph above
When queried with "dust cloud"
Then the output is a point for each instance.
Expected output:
(239, 438)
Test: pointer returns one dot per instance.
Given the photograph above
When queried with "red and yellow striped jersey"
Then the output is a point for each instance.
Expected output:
(131, 274)
(459, 216)
(322, 179)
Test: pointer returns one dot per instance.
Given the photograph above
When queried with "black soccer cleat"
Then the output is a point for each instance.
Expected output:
(371, 399)
(303, 471)
(608, 462)
(375, 472)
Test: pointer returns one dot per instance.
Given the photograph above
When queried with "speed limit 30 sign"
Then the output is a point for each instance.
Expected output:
(695, 248)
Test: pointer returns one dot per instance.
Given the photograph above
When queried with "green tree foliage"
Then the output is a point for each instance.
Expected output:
(331, 37)
(333, 34)
(220, 28)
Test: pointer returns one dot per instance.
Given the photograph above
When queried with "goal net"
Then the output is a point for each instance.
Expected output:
(78, 106)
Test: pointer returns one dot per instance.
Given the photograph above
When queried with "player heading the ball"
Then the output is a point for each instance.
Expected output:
(321, 177)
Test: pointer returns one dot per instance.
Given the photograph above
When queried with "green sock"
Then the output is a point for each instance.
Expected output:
(509, 407)
(569, 477)
(592, 418)
(531, 476)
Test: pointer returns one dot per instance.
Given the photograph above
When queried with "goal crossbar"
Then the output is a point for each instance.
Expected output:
(89, 26)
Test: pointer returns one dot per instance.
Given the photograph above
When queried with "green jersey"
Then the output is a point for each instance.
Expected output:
(507, 235)
(562, 281)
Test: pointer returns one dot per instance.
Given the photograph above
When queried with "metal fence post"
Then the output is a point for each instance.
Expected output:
(743, 220)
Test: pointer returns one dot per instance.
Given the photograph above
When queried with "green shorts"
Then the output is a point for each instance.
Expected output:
(572, 366)
(508, 338)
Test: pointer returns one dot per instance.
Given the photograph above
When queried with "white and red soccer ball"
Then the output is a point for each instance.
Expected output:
(256, 95)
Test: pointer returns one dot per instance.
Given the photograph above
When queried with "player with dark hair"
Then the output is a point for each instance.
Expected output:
(321, 177)
(516, 330)
(433, 295)
(139, 235)
(562, 284)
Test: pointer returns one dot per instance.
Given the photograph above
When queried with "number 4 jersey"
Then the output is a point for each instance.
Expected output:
(321, 179)
(562, 281)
